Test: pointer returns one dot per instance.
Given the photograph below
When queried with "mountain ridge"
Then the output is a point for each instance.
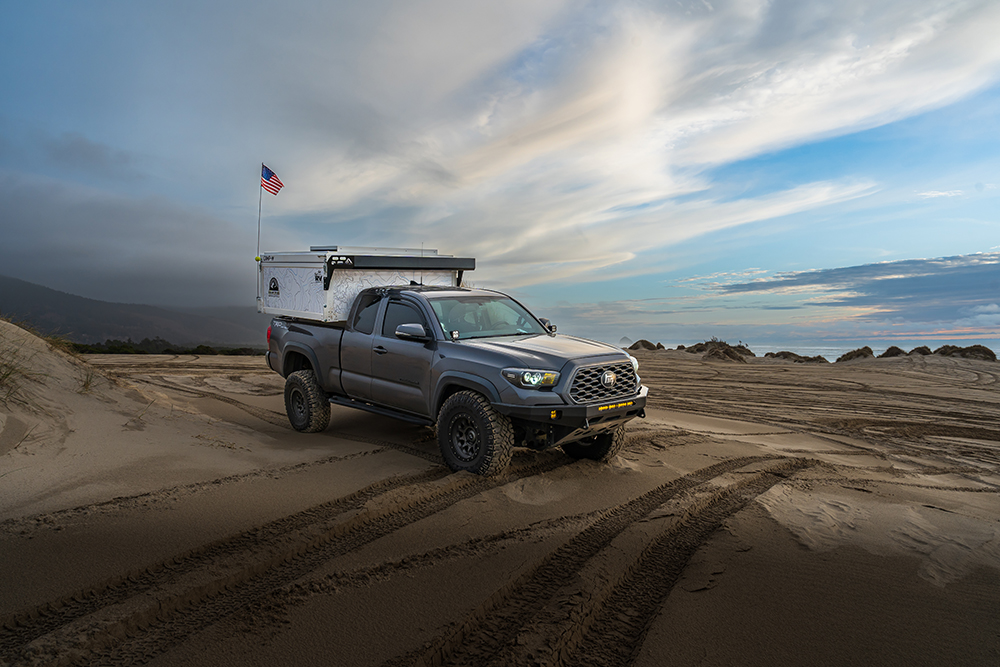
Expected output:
(84, 320)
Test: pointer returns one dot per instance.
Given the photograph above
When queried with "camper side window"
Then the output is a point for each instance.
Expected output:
(364, 319)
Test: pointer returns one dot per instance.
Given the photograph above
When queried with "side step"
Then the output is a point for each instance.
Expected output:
(387, 412)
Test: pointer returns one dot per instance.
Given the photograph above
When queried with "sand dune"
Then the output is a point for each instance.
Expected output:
(158, 510)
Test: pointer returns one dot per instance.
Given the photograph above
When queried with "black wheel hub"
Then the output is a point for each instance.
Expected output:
(465, 440)
(297, 402)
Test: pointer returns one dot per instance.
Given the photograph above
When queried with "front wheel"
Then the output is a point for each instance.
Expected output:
(473, 436)
(600, 447)
(305, 402)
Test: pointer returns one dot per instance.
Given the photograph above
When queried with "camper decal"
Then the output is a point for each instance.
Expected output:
(272, 287)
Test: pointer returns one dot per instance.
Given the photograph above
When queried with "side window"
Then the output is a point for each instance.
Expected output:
(399, 313)
(364, 319)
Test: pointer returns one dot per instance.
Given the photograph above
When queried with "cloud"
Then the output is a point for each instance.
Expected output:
(943, 299)
(982, 317)
(592, 132)
(931, 194)
(74, 152)
(134, 250)
(554, 140)
(916, 290)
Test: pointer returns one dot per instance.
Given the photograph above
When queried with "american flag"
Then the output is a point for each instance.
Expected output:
(269, 180)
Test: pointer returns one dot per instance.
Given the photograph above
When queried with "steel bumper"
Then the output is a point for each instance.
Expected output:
(566, 423)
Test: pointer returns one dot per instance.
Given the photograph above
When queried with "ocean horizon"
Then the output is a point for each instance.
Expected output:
(833, 351)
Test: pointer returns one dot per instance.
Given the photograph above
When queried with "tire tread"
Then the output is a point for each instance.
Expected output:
(319, 405)
(500, 449)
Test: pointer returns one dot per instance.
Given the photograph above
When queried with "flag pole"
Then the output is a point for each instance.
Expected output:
(260, 197)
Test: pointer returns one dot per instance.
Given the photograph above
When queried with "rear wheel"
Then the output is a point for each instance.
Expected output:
(473, 436)
(600, 447)
(305, 402)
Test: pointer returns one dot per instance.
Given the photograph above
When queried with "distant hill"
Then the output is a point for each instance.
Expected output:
(85, 320)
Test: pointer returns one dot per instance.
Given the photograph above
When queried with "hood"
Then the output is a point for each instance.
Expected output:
(544, 352)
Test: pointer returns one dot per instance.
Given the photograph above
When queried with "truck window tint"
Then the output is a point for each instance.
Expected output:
(399, 313)
(364, 320)
(484, 316)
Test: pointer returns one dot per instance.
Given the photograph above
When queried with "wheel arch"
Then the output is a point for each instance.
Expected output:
(298, 358)
(454, 382)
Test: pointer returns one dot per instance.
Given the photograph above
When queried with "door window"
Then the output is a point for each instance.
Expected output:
(400, 313)
(364, 320)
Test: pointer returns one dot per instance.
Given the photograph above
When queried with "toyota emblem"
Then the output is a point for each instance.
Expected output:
(608, 379)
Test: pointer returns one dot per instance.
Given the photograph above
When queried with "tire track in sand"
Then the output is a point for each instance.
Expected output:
(20, 629)
(279, 419)
(609, 628)
(493, 630)
(143, 614)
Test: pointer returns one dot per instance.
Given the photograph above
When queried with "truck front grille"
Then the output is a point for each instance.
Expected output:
(587, 387)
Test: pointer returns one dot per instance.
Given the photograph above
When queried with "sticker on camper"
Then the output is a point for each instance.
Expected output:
(272, 287)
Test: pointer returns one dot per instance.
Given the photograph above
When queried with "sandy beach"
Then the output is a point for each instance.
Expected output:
(158, 510)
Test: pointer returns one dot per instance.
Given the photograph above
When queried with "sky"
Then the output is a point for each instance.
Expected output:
(782, 173)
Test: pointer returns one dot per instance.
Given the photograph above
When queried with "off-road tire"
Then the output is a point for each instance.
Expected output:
(306, 404)
(473, 436)
(601, 447)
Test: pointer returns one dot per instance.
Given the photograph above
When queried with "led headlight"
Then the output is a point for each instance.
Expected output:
(530, 379)
(635, 367)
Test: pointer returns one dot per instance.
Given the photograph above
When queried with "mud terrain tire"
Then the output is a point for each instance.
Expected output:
(305, 402)
(601, 447)
(473, 436)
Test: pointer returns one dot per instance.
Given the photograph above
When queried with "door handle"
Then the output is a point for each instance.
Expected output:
(380, 350)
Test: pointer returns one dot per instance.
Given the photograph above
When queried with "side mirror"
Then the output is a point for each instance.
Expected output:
(412, 332)
(551, 328)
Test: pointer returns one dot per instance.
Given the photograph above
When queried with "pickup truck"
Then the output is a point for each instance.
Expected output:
(475, 362)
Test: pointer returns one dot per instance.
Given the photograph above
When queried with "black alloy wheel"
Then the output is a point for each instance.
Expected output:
(464, 437)
(473, 436)
(306, 404)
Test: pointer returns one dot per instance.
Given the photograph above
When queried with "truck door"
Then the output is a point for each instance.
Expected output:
(356, 349)
(401, 368)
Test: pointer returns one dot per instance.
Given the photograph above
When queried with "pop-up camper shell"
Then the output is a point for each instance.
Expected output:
(321, 284)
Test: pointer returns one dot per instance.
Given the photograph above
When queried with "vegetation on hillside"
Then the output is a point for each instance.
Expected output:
(156, 346)
(797, 358)
(723, 351)
(13, 367)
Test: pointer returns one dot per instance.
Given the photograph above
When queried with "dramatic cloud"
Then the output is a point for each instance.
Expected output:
(594, 133)
(959, 289)
(949, 298)
(563, 115)
(558, 141)
(119, 249)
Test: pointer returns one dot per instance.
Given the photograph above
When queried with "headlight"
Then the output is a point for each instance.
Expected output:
(635, 367)
(530, 379)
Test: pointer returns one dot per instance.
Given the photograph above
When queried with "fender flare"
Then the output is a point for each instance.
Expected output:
(466, 381)
(304, 351)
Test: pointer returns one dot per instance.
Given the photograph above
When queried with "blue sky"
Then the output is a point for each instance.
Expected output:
(776, 172)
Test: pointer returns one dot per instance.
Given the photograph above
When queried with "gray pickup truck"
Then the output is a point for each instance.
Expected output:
(474, 362)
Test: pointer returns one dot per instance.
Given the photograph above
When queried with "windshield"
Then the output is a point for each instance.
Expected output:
(482, 316)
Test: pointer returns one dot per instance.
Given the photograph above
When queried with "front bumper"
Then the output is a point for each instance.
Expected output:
(568, 423)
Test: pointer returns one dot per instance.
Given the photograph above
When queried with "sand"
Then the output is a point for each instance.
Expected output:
(159, 510)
